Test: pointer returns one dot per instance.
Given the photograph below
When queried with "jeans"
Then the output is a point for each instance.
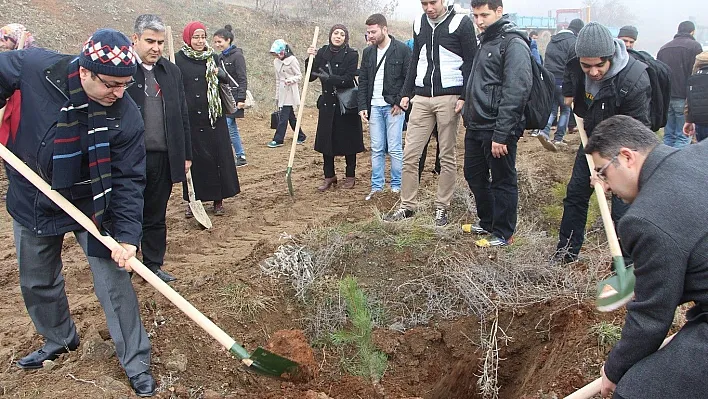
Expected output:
(158, 187)
(235, 136)
(701, 132)
(386, 137)
(497, 199)
(576, 204)
(287, 115)
(564, 115)
(673, 132)
(328, 166)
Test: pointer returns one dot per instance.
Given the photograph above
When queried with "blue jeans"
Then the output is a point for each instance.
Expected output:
(235, 136)
(673, 132)
(701, 132)
(564, 115)
(386, 132)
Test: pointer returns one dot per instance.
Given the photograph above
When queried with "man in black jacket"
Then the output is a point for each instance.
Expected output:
(680, 55)
(559, 51)
(159, 93)
(593, 82)
(383, 71)
(666, 237)
(498, 89)
(628, 34)
(80, 133)
(443, 50)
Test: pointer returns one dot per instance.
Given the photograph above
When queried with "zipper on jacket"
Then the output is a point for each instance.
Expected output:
(432, 58)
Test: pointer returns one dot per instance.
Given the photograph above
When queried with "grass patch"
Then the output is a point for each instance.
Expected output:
(239, 300)
(607, 334)
(368, 362)
(553, 212)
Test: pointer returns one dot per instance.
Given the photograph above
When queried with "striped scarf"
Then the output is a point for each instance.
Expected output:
(76, 112)
(215, 110)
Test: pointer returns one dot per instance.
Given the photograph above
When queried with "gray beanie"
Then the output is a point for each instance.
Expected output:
(628, 31)
(594, 40)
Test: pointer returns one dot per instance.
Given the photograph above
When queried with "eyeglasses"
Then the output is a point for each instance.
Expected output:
(124, 86)
(199, 37)
(601, 172)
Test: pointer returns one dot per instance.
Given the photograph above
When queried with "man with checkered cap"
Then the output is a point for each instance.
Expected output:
(84, 137)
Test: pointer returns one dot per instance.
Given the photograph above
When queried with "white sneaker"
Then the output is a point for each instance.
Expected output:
(395, 189)
(371, 194)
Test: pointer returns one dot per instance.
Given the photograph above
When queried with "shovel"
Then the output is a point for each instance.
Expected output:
(194, 204)
(613, 292)
(260, 360)
(303, 96)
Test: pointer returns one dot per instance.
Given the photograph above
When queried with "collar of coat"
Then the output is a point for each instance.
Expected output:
(655, 158)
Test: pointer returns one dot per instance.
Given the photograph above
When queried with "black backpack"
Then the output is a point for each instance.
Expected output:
(542, 99)
(660, 79)
(698, 97)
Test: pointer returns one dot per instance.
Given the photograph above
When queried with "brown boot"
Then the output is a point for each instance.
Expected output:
(328, 183)
(348, 182)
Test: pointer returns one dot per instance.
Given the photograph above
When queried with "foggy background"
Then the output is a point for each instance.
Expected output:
(656, 21)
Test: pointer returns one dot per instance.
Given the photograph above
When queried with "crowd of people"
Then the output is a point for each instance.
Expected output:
(117, 156)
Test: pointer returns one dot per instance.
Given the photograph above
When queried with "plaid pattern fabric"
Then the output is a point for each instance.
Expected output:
(67, 145)
(215, 109)
(106, 54)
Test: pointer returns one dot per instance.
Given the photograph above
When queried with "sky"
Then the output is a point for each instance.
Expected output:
(656, 21)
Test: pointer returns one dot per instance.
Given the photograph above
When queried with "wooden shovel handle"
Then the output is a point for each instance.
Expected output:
(615, 249)
(137, 266)
(303, 96)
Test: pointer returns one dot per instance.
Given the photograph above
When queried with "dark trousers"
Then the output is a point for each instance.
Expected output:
(157, 191)
(287, 115)
(497, 199)
(575, 207)
(329, 165)
(421, 163)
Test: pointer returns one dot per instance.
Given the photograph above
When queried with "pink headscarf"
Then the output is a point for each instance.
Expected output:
(189, 31)
(12, 32)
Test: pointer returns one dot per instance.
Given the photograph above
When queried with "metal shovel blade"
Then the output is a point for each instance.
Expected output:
(617, 290)
(200, 213)
(268, 363)
(289, 179)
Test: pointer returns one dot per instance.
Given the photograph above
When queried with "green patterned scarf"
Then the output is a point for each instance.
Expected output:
(215, 110)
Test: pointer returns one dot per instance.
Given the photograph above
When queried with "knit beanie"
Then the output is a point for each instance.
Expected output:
(108, 52)
(628, 31)
(575, 25)
(594, 40)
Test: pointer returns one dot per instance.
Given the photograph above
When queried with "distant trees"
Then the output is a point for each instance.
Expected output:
(610, 12)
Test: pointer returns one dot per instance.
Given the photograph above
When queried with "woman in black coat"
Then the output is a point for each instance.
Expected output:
(213, 166)
(337, 134)
(232, 61)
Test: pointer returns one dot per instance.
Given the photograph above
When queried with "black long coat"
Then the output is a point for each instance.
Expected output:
(213, 166)
(337, 134)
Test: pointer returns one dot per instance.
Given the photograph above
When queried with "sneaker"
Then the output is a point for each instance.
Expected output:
(440, 217)
(563, 257)
(559, 143)
(534, 133)
(301, 141)
(398, 215)
(395, 190)
(546, 142)
(371, 194)
(494, 241)
(474, 228)
(274, 144)
(241, 161)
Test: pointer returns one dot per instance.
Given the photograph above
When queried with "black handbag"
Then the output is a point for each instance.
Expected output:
(274, 119)
(347, 98)
(228, 103)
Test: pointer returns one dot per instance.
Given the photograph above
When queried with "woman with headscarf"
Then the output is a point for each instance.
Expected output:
(213, 167)
(10, 120)
(287, 91)
(335, 64)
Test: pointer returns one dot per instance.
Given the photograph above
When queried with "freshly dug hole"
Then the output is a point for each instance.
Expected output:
(293, 345)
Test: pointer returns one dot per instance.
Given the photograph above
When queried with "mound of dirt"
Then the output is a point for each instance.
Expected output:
(292, 344)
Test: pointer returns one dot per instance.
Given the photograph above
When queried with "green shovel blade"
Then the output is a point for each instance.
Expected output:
(269, 363)
(617, 290)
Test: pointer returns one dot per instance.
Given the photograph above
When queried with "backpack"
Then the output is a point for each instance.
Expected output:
(542, 99)
(659, 77)
(698, 97)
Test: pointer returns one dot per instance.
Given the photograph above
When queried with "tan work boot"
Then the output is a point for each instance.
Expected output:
(328, 183)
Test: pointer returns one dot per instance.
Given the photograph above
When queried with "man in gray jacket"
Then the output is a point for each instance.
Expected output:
(664, 230)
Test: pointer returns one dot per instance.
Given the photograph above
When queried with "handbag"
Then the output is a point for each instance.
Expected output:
(250, 101)
(274, 119)
(347, 97)
(227, 99)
